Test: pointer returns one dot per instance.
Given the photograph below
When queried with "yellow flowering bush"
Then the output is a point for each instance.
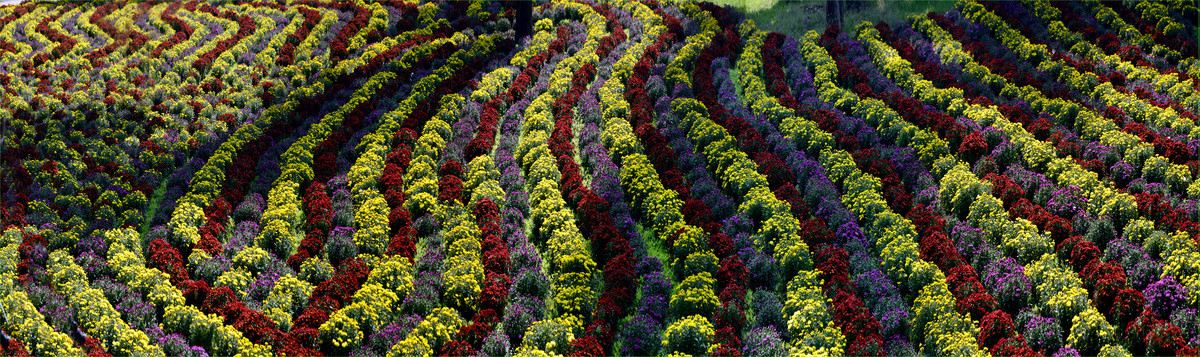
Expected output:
(694, 295)
(1089, 331)
(252, 259)
(553, 336)
(394, 274)
(371, 226)
(289, 295)
(1058, 289)
(237, 280)
(463, 274)
(30, 326)
(941, 329)
(340, 331)
(814, 332)
(95, 313)
(690, 335)
(437, 328)
(315, 270)
(483, 181)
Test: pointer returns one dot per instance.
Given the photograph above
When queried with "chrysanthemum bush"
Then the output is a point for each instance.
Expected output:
(638, 178)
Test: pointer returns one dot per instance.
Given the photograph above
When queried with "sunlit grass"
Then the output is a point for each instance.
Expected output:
(796, 17)
(748, 5)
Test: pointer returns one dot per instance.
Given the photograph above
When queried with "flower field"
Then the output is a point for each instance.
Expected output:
(401, 178)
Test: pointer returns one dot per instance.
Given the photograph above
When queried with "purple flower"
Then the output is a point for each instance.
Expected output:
(1122, 173)
(640, 336)
(1043, 334)
(764, 341)
(94, 265)
(383, 339)
(243, 235)
(93, 243)
(1166, 295)
(1008, 284)
(1066, 352)
(1067, 201)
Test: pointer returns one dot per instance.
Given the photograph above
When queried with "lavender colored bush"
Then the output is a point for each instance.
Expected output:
(764, 341)
(340, 245)
(1165, 295)
(639, 338)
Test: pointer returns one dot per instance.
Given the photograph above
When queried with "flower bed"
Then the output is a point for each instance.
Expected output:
(640, 178)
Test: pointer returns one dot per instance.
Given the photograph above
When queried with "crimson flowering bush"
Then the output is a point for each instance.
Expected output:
(994, 327)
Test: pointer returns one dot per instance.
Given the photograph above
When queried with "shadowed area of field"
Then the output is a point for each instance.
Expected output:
(795, 17)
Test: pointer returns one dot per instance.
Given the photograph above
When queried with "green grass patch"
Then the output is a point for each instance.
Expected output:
(152, 207)
(796, 17)
(733, 76)
(656, 249)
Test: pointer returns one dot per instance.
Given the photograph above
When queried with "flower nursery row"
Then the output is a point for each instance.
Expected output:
(400, 178)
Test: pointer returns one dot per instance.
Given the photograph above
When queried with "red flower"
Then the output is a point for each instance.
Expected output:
(1082, 254)
(866, 345)
(494, 294)
(1059, 228)
(1014, 346)
(1126, 306)
(310, 318)
(217, 299)
(166, 258)
(455, 348)
(318, 207)
(1137, 330)
(586, 347)
(255, 325)
(450, 188)
(814, 231)
(305, 336)
(721, 245)
(732, 271)
(995, 326)
(196, 292)
(402, 244)
(1163, 339)
(788, 193)
(1005, 189)
(937, 248)
(474, 333)
(210, 244)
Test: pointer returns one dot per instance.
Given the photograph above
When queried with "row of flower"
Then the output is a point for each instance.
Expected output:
(215, 216)
(1140, 204)
(393, 178)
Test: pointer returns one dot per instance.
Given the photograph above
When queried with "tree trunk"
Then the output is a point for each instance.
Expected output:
(523, 10)
(834, 11)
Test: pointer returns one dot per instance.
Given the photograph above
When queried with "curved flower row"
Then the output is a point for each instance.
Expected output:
(695, 294)
(1131, 34)
(1100, 203)
(1085, 82)
(572, 271)
(1099, 156)
(809, 320)
(1025, 246)
(880, 292)
(22, 317)
(933, 313)
(97, 315)
(1079, 23)
(1038, 273)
